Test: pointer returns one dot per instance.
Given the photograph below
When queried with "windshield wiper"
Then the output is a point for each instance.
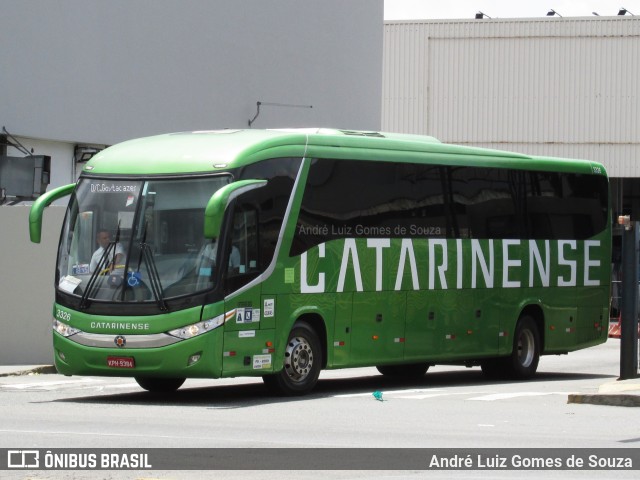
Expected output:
(154, 277)
(100, 267)
(102, 263)
(113, 260)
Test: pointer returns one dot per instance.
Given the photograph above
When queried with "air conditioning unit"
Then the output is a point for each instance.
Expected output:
(24, 177)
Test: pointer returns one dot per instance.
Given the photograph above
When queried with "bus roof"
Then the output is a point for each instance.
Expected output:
(221, 150)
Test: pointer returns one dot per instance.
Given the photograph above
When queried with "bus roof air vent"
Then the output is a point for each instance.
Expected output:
(358, 133)
(207, 132)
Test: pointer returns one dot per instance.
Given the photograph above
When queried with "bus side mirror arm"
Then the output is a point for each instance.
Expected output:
(37, 209)
(214, 213)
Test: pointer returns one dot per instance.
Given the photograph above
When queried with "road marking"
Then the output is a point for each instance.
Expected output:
(421, 397)
(100, 434)
(412, 393)
(507, 396)
(403, 394)
(47, 385)
(433, 395)
(81, 384)
(427, 393)
(392, 392)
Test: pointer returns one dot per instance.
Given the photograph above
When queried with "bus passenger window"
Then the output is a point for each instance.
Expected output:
(243, 256)
(242, 252)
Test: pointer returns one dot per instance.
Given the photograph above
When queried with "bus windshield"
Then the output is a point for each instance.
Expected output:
(137, 240)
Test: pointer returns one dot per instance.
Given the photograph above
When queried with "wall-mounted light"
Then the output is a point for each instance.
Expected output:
(552, 12)
(84, 153)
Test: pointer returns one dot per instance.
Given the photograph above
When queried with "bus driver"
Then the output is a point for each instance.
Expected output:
(103, 238)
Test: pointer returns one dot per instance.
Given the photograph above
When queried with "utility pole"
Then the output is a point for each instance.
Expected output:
(629, 317)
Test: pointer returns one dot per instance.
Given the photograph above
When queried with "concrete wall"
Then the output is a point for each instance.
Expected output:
(103, 72)
(26, 290)
(100, 72)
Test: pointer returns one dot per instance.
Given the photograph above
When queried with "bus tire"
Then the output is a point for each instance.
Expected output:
(161, 385)
(302, 363)
(523, 361)
(413, 370)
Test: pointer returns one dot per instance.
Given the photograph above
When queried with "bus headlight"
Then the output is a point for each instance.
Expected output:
(64, 329)
(199, 328)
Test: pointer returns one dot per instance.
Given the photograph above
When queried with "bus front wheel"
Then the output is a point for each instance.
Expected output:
(302, 363)
(163, 385)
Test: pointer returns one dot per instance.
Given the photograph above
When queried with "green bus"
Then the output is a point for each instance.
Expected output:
(279, 253)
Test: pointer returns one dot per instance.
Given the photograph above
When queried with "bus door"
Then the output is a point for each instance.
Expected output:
(245, 338)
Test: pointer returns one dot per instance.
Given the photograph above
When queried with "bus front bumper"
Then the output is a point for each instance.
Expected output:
(198, 357)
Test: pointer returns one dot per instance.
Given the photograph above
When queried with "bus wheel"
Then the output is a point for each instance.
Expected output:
(414, 370)
(524, 358)
(160, 384)
(523, 361)
(302, 363)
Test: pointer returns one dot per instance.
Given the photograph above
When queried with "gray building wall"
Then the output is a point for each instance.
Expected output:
(103, 72)
(26, 291)
(565, 87)
(96, 72)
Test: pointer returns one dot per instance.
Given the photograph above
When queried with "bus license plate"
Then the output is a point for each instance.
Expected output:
(121, 362)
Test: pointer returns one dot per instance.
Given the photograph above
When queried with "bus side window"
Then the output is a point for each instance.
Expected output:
(257, 221)
(243, 257)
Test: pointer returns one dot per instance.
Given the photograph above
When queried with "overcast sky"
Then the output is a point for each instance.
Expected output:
(428, 9)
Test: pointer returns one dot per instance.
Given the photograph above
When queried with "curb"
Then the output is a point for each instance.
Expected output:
(618, 400)
(43, 370)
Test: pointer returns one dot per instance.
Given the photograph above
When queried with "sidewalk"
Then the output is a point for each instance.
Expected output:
(621, 393)
(16, 370)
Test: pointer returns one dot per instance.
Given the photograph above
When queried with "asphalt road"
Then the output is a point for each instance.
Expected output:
(450, 407)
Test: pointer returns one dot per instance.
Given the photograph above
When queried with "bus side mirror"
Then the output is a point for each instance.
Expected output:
(37, 209)
(218, 203)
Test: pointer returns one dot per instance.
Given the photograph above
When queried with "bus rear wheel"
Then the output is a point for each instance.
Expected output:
(302, 363)
(524, 358)
(162, 385)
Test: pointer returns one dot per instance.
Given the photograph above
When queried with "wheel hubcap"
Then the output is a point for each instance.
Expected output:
(526, 348)
(298, 359)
